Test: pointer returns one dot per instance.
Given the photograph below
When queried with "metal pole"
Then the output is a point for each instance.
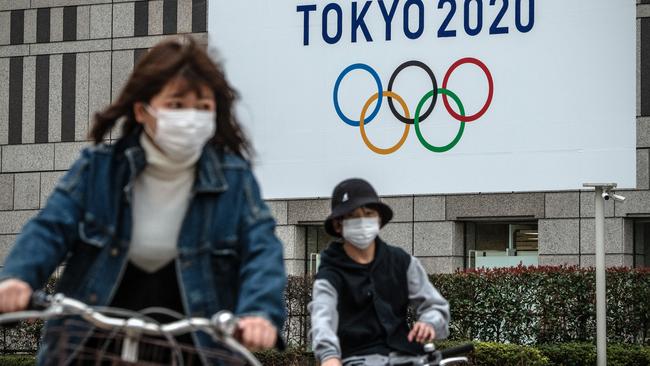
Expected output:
(601, 288)
(601, 298)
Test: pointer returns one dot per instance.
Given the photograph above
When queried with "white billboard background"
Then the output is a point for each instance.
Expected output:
(562, 113)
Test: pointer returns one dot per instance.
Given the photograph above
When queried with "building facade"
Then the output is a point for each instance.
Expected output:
(62, 60)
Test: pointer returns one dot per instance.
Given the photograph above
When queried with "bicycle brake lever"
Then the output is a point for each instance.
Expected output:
(39, 300)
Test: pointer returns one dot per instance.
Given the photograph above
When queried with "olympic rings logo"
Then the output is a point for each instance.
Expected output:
(419, 116)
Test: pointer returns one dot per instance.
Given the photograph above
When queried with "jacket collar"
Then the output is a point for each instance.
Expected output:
(336, 255)
(210, 177)
(209, 168)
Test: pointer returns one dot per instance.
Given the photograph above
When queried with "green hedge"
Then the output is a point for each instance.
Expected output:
(296, 297)
(522, 305)
(290, 357)
(17, 360)
(584, 354)
(485, 354)
(535, 305)
(500, 354)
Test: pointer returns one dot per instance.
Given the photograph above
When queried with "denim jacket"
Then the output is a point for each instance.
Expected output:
(228, 254)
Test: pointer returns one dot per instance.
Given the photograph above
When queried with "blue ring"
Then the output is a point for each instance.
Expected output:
(380, 89)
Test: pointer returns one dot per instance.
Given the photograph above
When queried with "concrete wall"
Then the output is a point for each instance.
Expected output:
(62, 60)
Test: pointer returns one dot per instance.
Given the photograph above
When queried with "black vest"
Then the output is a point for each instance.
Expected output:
(372, 300)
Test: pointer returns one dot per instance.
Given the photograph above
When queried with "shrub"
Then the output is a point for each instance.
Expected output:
(628, 306)
(296, 297)
(485, 354)
(521, 305)
(17, 360)
(570, 354)
(499, 354)
(626, 355)
(531, 305)
(290, 357)
(585, 354)
(495, 305)
(493, 354)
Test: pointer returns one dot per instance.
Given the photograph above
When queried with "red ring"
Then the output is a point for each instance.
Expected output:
(478, 114)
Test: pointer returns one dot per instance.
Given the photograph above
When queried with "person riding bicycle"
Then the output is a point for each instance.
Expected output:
(364, 287)
(168, 215)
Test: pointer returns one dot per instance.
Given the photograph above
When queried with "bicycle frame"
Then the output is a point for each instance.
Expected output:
(431, 357)
(445, 357)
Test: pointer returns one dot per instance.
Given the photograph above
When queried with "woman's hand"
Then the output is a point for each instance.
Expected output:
(334, 361)
(256, 333)
(422, 333)
(14, 295)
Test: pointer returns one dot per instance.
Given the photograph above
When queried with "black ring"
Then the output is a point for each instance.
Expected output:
(426, 69)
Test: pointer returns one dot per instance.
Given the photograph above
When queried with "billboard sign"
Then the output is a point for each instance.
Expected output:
(427, 97)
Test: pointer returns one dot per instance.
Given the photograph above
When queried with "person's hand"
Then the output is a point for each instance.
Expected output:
(256, 333)
(14, 295)
(334, 361)
(422, 333)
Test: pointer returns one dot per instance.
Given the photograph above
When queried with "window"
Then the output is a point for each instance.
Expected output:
(501, 244)
(642, 243)
(316, 240)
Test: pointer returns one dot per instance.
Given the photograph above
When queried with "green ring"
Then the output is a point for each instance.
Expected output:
(416, 119)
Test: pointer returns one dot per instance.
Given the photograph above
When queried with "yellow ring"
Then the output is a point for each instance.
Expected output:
(407, 127)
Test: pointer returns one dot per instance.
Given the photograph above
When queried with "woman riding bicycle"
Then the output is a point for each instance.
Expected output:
(364, 287)
(169, 215)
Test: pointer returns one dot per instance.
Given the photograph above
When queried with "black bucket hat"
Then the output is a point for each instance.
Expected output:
(351, 194)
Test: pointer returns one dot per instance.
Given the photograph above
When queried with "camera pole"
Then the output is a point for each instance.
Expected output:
(601, 192)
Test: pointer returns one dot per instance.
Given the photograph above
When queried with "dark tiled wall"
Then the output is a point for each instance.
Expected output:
(47, 65)
(644, 65)
(61, 61)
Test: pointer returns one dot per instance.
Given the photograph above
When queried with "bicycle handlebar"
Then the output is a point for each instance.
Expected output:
(221, 326)
(39, 300)
(61, 305)
(457, 350)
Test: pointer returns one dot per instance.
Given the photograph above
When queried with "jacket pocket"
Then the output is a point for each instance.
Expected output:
(225, 259)
(225, 262)
(93, 233)
(83, 259)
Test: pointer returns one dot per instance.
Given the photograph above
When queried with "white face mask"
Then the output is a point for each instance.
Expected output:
(182, 133)
(361, 232)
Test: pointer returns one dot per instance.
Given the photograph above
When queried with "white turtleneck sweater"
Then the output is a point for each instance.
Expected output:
(160, 200)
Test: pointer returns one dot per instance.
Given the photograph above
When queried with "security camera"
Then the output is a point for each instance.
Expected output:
(618, 197)
(605, 195)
